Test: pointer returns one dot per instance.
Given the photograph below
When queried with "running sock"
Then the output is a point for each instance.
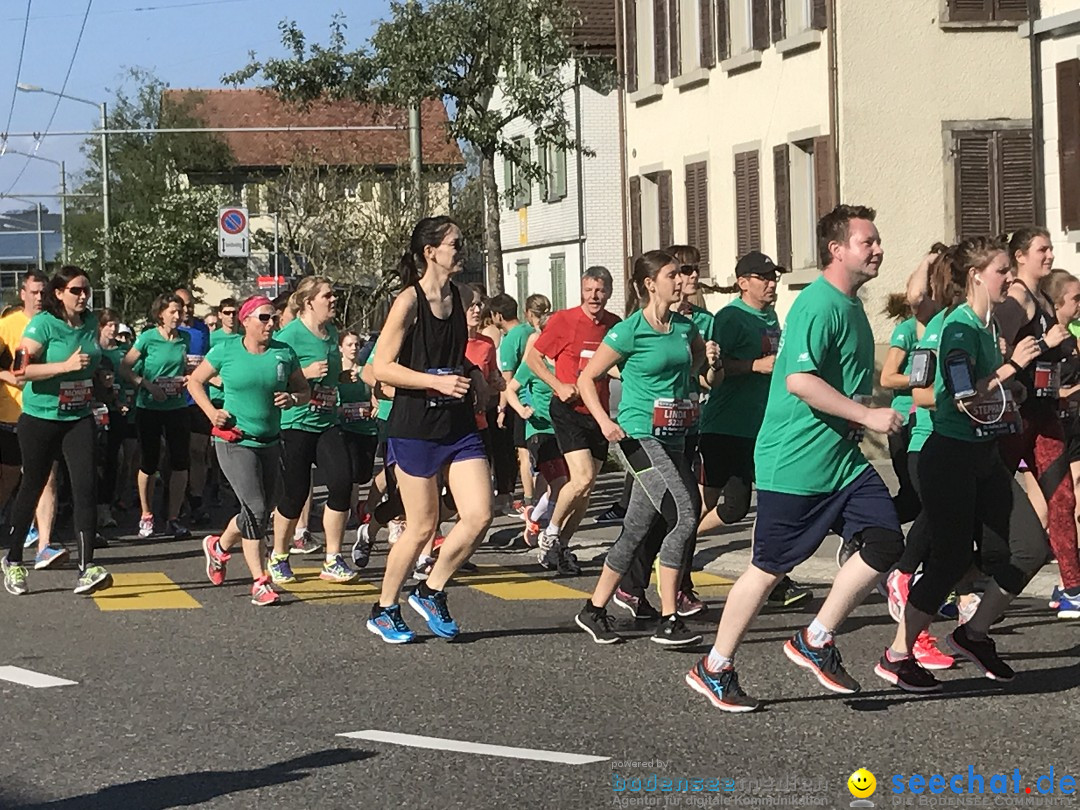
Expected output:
(717, 661)
(331, 557)
(279, 557)
(817, 635)
(424, 592)
(298, 533)
(894, 657)
(543, 509)
(550, 538)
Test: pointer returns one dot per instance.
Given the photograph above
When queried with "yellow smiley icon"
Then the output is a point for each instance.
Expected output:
(862, 784)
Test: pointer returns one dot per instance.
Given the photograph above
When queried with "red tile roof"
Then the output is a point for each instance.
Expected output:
(262, 108)
(595, 32)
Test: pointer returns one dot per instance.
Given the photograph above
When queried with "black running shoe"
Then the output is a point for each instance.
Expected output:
(845, 551)
(613, 514)
(639, 606)
(788, 593)
(907, 674)
(982, 653)
(825, 662)
(568, 565)
(721, 688)
(597, 623)
(673, 632)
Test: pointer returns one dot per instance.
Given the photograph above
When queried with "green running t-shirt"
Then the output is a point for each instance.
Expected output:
(512, 347)
(163, 363)
(536, 394)
(321, 412)
(923, 424)
(216, 393)
(355, 413)
(250, 382)
(66, 397)
(904, 337)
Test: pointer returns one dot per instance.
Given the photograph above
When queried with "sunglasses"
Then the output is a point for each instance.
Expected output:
(457, 244)
(228, 313)
(766, 277)
(266, 317)
(688, 269)
(77, 291)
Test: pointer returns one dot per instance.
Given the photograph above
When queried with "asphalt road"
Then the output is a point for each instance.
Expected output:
(215, 703)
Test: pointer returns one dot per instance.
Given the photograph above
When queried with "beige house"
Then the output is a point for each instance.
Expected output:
(747, 119)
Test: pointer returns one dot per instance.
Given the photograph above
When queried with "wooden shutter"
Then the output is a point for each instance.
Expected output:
(508, 182)
(707, 30)
(665, 202)
(819, 15)
(723, 31)
(660, 41)
(824, 176)
(779, 23)
(1016, 180)
(635, 215)
(782, 193)
(1068, 111)
(675, 37)
(747, 203)
(759, 24)
(630, 52)
(697, 212)
(974, 184)
(1011, 10)
(971, 10)
(546, 189)
(524, 184)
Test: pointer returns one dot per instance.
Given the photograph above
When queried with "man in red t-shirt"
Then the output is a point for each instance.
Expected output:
(570, 340)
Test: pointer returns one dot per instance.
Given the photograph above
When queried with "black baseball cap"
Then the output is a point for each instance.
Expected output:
(756, 263)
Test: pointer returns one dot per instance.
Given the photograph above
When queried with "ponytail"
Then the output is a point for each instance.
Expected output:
(407, 269)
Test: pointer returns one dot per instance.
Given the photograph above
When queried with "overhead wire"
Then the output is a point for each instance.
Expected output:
(18, 70)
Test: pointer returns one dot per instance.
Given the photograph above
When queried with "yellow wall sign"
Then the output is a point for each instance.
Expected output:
(523, 226)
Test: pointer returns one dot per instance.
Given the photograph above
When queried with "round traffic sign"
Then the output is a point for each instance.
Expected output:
(233, 221)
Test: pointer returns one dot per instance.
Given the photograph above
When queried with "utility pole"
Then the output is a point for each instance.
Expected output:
(416, 160)
(105, 200)
(40, 243)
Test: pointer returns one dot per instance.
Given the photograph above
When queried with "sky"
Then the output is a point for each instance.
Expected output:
(185, 43)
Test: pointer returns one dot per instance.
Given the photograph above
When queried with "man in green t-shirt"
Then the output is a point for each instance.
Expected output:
(812, 477)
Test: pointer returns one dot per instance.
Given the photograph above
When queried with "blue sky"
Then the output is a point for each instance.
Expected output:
(187, 43)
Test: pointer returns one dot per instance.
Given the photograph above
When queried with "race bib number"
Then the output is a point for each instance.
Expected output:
(170, 386)
(856, 432)
(674, 417)
(988, 419)
(770, 342)
(75, 395)
(101, 415)
(588, 349)
(1047, 379)
(355, 412)
(437, 399)
(191, 362)
(323, 398)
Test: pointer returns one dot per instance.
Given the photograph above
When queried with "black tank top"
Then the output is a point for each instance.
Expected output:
(434, 346)
(1037, 327)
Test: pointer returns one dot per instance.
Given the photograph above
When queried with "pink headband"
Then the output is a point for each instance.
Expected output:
(253, 304)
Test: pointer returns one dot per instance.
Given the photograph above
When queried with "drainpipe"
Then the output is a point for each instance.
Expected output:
(834, 96)
(620, 67)
(1037, 135)
(580, 167)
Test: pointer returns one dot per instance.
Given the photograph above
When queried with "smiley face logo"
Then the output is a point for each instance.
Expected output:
(862, 784)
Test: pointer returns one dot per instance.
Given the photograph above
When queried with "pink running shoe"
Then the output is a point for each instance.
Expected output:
(897, 584)
(928, 655)
(215, 559)
(262, 594)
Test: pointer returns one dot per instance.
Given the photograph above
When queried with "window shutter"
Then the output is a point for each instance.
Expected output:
(779, 24)
(630, 51)
(1016, 174)
(819, 15)
(974, 181)
(707, 30)
(524, 183)
(747, 203)
(971, 10)
(782, 192)
(560, 174)
(660, 41)
(759, 24)
(667, 219)
(1068, 110)
(674, 34)
(546, 194)
(824, 176)
(697, 212)
(508, 182)
(635, 215)
(723, 31)
(1011, 10)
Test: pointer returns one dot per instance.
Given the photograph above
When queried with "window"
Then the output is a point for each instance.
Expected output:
(690, 32)
(987, 10)
(558, 282)
(553, 168)
(747, 203)
(743, 26)
(522, 282)
(651, 219)
(1068, 112)
(516, 185)
(995, 186)
(792, 17)
(697, 211)
(804, 192)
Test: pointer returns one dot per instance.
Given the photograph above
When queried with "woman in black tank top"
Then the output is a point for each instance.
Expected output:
(431, 429)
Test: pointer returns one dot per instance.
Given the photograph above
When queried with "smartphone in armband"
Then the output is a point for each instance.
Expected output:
(959, 375)
(921, 368)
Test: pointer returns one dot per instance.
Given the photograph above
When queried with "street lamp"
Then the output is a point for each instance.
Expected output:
(34, 88)
(63, 194)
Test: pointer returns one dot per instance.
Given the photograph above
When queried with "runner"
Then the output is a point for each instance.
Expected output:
(658, 353)
(260, 377)
(570, 340)
(968, 494)
(121, 405)
(359, 430)
(161, 409)
(812, 477)
(199, 457)
(311, 434)
(57, 357)
(421, 352)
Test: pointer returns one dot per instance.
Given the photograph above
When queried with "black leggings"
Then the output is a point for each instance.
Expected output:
(175, 425)
(969, 495)
(906, 499)
(361, 455)
(113, 441)
(917, 542)
(326, 450)
(44, 442)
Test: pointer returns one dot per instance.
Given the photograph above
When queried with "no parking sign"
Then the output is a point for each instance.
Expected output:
(233, 233)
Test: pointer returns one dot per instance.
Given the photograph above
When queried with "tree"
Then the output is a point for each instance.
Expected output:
(463, 52)
(162, 233)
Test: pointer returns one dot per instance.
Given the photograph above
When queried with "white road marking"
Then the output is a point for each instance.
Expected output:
(441, 744)
(27, 677)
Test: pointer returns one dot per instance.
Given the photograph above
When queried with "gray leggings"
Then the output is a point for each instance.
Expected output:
(663, 485)
(253, 473)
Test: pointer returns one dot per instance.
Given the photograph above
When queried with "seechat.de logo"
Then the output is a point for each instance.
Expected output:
(862, 785)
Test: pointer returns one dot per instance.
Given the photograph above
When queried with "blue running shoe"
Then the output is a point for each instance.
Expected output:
(435, 612)
(721, 688)
(48, 556)
(1068, 606)
(31, 537)
(1055, 598)
(280, 571)
(825, 662)
(387, 623)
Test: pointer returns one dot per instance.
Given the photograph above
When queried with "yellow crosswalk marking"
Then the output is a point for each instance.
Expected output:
(144, 591)
(513, 585)
(708, 584)
(309, 588)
